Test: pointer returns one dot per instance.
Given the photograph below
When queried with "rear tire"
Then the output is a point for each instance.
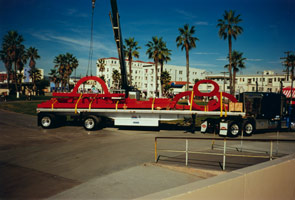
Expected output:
(248, 128)
(234, 129)
(91, 122)
(47, 121)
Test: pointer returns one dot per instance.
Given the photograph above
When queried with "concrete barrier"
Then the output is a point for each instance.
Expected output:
(269, 180)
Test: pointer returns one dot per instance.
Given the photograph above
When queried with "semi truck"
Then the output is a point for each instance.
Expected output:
(262, 111)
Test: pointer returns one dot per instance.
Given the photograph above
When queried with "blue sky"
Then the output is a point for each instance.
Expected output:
(56, 27)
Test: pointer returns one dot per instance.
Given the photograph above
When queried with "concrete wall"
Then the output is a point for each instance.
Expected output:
(270, 180)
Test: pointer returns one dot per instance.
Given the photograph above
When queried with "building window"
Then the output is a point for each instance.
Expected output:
(180, 72)
(270, 80)
(249, 81)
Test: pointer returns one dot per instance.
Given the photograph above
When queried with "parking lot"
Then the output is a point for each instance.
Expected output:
(68, 162)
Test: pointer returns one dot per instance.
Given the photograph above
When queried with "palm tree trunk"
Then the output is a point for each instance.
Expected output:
(130, 74)
(187, 67)
(162, 88)
(156, 78)
(230, 65)
(234, 81)
(15, 80)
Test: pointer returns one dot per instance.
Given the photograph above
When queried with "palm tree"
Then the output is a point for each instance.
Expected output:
(130, 51)
(116, 78)
(13, 52)
(228, 29)
(289, 63)
(164, 56)
(237, 64)
(32, 54)
(8, 66)
(35, 75)
(65, 64)
(187, 41)
(155, 52)
(165, 80)
(54, 77)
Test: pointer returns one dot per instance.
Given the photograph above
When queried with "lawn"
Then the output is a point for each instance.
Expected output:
(26, 107)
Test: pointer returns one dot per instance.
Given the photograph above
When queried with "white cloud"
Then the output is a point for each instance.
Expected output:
(222, 59)
(254, 59)
(201, 23)
(205, 53)
(186, 14)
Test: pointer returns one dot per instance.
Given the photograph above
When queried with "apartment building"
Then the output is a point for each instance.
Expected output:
(265, 81)
(144, 74)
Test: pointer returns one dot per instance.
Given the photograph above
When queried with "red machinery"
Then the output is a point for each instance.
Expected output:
(109, 100)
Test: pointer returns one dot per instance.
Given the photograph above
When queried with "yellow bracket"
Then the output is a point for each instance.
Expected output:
(192, 98)
(153, 104)
(225, 111)
(53, 104)
(77, 103)
(117, 105)
(91, 102)
(221, 104)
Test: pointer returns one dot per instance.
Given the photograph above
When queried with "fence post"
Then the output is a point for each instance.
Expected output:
(242, 137)
(224, 152)
(186, 152)
(270, 154)
(156, 153)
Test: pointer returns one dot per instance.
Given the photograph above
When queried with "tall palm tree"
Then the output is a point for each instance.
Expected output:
(164, 57)
(237, 64)
(130, 51)
(32, 54)
(14, 52)
(289, 63)
(187, 41)
(154, 52)
(228, 29)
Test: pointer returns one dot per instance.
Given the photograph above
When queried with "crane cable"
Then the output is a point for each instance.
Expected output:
(91, 42)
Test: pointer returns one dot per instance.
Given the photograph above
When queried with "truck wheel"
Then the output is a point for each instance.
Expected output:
(47, 121)
(91, 122)
(248, 128)
(234, 129)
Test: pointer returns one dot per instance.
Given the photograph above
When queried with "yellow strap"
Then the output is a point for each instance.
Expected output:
(53, 104)
(117, 105)
(91, 102)
(77, 103)
(153, 104)
(192, 98)
(225, 111)
(221, 104)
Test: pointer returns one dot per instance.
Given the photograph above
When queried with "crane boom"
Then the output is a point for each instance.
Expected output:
(115, 19)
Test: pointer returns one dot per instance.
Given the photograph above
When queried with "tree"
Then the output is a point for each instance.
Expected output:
(32, 54)
(36, 76)
(65, 64)
(164, 56)
(13, 54)
(154, 51)
(228, 29)
(54, 77)
(101, 65)
(116, 78)
(289, 63)
(165, 80)
(237, 64)
(8, 66)
(130, 51)
(187, 41)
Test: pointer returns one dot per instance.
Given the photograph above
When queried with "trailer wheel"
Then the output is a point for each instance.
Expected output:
(234, 129)
(248, 128)
(91, 122)
(47, 121)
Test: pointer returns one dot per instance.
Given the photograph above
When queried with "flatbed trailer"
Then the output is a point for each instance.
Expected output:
(94, 118)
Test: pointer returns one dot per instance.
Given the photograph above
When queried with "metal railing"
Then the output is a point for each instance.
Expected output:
(224, 154)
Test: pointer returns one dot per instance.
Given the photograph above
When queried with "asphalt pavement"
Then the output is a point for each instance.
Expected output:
(68, 162)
